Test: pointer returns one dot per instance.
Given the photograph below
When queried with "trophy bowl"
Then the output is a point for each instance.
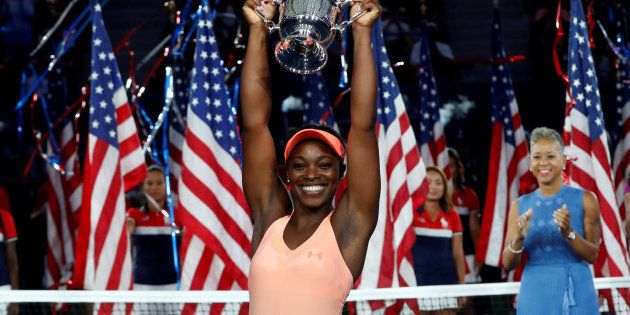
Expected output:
(307, 28)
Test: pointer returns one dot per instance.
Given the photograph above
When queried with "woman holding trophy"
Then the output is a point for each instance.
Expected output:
(307, 254)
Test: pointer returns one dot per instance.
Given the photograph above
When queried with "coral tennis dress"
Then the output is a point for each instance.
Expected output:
(311, 279)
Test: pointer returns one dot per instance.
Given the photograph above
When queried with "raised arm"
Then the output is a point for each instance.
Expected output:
(357, 211)
(363, 166)
(265, 193)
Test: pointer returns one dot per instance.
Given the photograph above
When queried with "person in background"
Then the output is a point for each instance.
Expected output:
(150, 229)
(558, 227)
(466, 204)
(9, 276)
(438, 252)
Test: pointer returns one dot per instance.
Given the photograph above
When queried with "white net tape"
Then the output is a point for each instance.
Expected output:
(497, 297)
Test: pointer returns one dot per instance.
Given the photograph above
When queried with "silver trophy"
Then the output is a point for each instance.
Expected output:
(307, 28)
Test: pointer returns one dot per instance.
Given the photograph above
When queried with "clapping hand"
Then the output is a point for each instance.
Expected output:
(523, 222)
(562, 218)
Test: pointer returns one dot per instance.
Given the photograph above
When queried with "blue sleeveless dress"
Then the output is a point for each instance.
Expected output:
(555, 280)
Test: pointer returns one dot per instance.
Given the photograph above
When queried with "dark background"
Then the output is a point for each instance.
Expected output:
(464, 25)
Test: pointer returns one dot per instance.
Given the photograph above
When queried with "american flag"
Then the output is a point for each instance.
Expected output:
(508, 156)
(64, 202)
(212, 205)
(317, 108)
(177, 122)
(113, 162)
(588, 148)
(432, 139)
(620, 133)
(389, 262)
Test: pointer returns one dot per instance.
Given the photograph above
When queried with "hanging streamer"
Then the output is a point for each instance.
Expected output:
(214, 12)
(168, 101)
(192, 30)
(181, 22)
(153, 52)
(20, 123)
(124, 43)
(161, 117)
(71, 29)
(62, 50)
(85, 93)
(340, 97)
(620, 51)
(343, 79)
(49, 125)
(51, 159)
(235, 94)
(46, 37)
(80, 103)
(155, 127)
(556, 60)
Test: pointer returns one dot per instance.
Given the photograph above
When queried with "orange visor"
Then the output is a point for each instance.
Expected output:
(314, 134)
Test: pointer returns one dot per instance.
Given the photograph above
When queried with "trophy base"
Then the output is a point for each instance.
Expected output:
(301, 56)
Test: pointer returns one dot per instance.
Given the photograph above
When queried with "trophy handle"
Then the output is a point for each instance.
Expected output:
(270, 24)
(341, 27)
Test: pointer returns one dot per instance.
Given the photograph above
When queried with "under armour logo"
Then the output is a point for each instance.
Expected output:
(318, 254)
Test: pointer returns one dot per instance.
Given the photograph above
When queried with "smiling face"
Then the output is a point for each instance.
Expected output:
(313, 171)
(436, 186)
(546, 162)
(154, 186)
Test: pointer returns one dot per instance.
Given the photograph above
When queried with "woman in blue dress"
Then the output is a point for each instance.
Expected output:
(558, 227)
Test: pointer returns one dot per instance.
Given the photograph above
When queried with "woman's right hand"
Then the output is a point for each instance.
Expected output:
(522, 224)
(372, 11)
(268, 7)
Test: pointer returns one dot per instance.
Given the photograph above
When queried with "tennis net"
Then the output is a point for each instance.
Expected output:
(490, 298)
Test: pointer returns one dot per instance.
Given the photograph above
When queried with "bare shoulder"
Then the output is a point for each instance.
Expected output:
(589, 197)
(590, 202)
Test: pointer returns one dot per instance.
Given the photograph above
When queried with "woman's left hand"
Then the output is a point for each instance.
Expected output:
(562, 218)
